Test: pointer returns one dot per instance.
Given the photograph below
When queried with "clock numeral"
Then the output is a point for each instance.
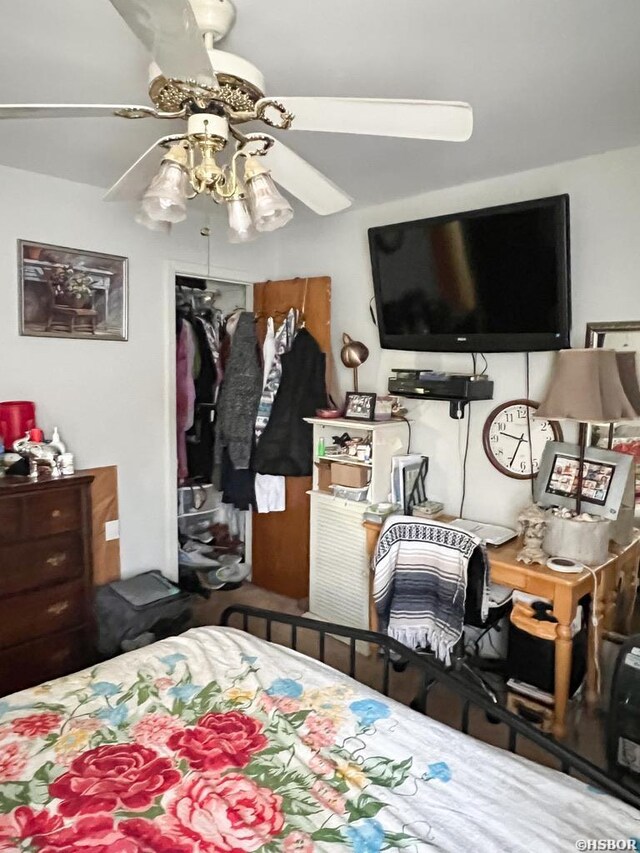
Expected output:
(522, 412)
(494, 438)
(523, 466)
(508, 416)
(543, 426)
(502, 427)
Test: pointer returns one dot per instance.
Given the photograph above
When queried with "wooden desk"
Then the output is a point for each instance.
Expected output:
(564, 591)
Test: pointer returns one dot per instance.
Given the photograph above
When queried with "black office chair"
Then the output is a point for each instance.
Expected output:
(500, 604)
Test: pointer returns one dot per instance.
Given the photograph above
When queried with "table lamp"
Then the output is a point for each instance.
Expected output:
(588, 386)
(353, 355)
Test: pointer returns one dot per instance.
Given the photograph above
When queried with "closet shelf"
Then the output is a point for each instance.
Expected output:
(198, 512)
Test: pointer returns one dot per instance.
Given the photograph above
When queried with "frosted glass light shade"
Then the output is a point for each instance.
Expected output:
(269, 208)
(166, 197)
(241, 228)
(152, 224)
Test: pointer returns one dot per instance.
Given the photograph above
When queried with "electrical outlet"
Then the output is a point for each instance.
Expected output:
(112, 530)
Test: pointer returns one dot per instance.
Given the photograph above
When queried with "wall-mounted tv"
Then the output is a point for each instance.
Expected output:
(490, 280)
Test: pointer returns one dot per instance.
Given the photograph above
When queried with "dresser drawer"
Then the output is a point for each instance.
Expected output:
(54, 511)
(42, 562)
(41, 660)
(45, 611)
(10, 511)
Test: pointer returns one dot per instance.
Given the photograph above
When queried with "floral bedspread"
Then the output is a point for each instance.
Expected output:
(215, 742)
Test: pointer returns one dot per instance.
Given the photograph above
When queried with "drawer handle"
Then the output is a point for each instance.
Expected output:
(58, 609)
(56, 513)
(56, 560)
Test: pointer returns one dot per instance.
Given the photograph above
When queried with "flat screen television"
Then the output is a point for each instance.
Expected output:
(490, 280)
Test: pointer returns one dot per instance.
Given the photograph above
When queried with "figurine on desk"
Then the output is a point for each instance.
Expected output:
(532, 523)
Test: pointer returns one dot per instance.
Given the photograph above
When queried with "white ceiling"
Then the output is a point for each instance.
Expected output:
(549, 80)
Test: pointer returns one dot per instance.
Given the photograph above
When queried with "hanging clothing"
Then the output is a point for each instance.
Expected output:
(268, 351)
(185, 393)
(283, 342)
(212, 332)
(270, 489)
(237, 485)
(200, 438)
(286, 446)
(270, 492)
(239, 395)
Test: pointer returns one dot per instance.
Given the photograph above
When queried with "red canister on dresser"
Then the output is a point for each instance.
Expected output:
(16, 418)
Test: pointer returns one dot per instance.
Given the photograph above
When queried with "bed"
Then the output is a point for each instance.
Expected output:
(220, 742)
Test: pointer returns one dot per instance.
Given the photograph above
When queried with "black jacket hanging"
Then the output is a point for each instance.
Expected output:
(286, 445)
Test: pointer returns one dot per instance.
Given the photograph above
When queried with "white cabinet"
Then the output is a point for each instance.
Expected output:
(339, 568)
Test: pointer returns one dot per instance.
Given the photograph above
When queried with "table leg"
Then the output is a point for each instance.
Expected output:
(595, 639)
(564, 649)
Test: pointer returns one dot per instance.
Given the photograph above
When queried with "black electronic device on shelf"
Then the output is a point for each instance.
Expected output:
(458, 388)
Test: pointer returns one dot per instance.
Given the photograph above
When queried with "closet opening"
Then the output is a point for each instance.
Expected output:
(214, 535)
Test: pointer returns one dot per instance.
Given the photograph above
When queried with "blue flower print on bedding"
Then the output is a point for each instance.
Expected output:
(116, 716)
(185, 692)
(366, 836)
(171, 661)
(250, 659)
(439, 770)
(285, 687)
(368, 711)
(105, 688)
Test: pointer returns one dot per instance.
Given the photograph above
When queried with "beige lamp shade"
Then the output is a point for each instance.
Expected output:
(627, 367)
(586, 387)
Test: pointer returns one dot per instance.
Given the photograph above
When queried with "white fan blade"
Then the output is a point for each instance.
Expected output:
(136, 179)
(303, 180)
(74, 111)
(169, 31)
(441, 120)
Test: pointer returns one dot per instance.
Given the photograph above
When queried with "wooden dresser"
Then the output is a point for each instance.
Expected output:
(46, 579)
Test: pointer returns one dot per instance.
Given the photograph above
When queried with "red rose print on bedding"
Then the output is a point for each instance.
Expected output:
(220, 741)
(13, 762)
(223, 814)
(36, 725)
(151, 839)
(154, 730)
(127, 776)
(99, 834)
(24, 823)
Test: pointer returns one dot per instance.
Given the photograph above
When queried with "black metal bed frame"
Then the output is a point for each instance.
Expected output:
(431, 671)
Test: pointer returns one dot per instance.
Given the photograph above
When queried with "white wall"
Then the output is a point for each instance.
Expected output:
(605, 236)
(112, 401)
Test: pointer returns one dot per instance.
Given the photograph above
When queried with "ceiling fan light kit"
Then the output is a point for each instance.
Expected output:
(217, 92)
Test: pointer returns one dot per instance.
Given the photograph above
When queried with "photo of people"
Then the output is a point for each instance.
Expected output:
(596, 479)
(360, 406)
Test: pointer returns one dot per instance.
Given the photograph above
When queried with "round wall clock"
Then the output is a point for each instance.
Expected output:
(514, 440)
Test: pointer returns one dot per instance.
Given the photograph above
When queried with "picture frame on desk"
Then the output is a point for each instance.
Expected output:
(360, 406)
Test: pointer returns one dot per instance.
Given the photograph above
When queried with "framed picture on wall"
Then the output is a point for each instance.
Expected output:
(360, 407)
(72, 293)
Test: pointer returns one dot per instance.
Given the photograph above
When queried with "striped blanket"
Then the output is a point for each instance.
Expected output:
(420, 582)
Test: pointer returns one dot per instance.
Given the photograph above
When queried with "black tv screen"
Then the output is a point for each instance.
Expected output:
(491, 280)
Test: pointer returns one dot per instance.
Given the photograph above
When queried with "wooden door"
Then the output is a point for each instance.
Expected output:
(280, 559)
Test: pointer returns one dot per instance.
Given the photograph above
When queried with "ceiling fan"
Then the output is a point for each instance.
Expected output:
(217, 93)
